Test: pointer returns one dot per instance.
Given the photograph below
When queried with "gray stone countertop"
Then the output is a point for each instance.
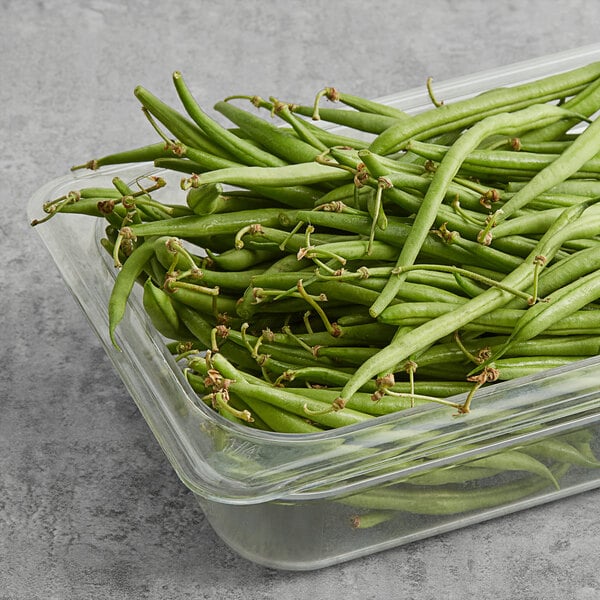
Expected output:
(89, 505)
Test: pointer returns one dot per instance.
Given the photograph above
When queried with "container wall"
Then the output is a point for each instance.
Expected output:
(302, 534)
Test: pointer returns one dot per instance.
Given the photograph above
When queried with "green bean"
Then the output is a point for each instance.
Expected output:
(451, 353)
(93, 207)
(275, 418)
(584, 103)
(310, 375)
(464, 113)
(514, 368)
(564, 272)
(298, 125)
(289, 354)
(281, 420)
(369, 334)
(124, 282)
(202, 226)
(358, 103)
(314, 410)
(419, 292)
(159, 307)
(328, 138)
(331, 137)
(583, 148)
(239, 259)
(358, 120)
(507, 123)
(243, 150)
(564, 303)
(585, 449)
(363, 402)
(273, 138)
(186, 131)
(458, 473)
(450, 499)
(403, 346)
(542, 147)
(498, 320)
(232, 281)
(297, 196)
(202, 329)
(504, 163)
(286, 263)
(515, 460)
(142, 154)
(560, 451)
(289, 175)
(529, 223)
(395, 234)
(587, 188)
(208, 200)
(194, 297)
(229, 407)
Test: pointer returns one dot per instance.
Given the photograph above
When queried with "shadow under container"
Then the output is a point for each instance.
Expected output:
(307, 501)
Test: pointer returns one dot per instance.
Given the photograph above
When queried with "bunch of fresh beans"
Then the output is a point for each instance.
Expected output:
(318, 277)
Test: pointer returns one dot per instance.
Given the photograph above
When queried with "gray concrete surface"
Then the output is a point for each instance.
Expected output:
(89, 505)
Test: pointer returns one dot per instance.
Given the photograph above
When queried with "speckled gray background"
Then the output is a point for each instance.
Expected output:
(89, 506)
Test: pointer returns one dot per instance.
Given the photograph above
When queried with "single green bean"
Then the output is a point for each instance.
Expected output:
(464, 113)
(146, 153)
(235, 146)
(289, 175)
(194, 226)
(561, 451)
(450, 499)
(362, 104)
(132, 268)
(357, 120)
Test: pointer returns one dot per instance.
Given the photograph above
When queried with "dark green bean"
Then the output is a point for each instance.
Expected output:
(124, 282)
(289, 175)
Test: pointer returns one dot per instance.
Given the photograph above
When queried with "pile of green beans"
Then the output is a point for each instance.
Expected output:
(314, 279)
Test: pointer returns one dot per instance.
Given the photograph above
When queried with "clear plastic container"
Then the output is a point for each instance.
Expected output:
(312, 500)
